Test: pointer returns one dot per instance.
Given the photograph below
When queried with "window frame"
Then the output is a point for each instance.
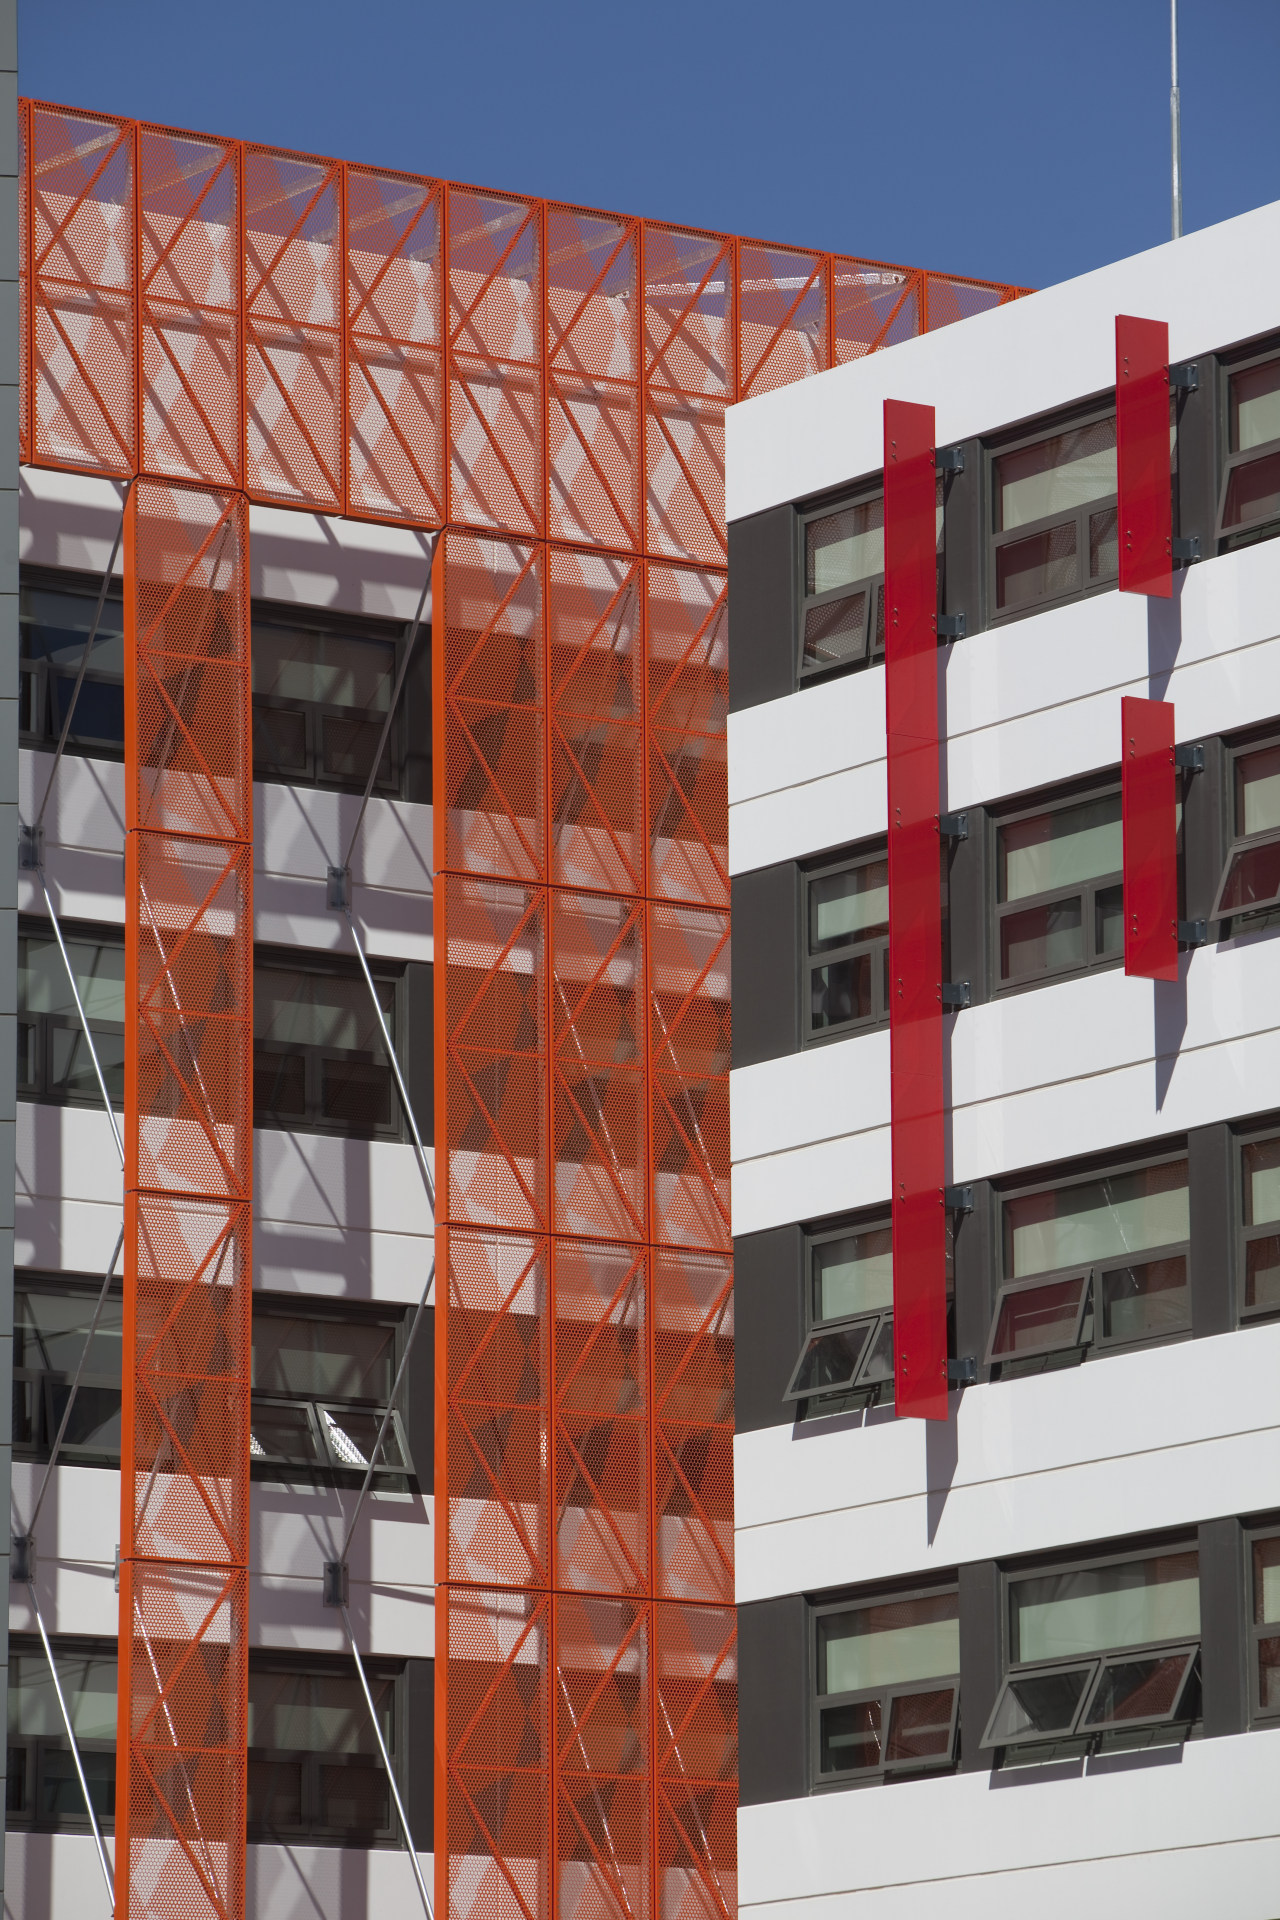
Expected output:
(1256, 1134)
(1258, 1630)
(1088, 891)
(1095, 1270)
(847, 861)
(334, 966)
(863, 495)
(35, 1747)
(309, 1759)
(860, 1394)
(886, 1695)
(105, 934)
(1077, 1739)
(44, 1381)
(1254, 918)
(1089, 414)
(1233, 539)
(43, 737)
(322, 620)
(328, 1469)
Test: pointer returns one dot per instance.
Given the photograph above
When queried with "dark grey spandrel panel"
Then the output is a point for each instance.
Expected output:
(1211, 1175)
(765, 963)
(417, 721)
(769, 1325)
(762, 608)
(969, 913)
(417, 1770)
(1206, 829)
(420, 1396)
(981, 1658)
(420, 1045)
(962, 524)
(773, 1700)
(1196, 491)
(977, 1258)
(1224, 1640)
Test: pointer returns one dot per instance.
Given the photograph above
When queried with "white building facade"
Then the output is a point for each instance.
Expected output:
(1023, 1658)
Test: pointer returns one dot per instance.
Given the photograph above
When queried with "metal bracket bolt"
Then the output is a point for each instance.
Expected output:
(1185, 546)
(337, 1587)
(22, 1558)
(962, 1372)
(948, 459)
(1193, 933)
(958, 1199)
(951, 626)
(953, 826)
(1185, 377)
(338, 889)
(30, 848)
(1190, 756)
(954, 993)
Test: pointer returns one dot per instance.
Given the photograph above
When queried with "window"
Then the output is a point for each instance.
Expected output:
(320, 1387)
(321, 690)
(846, 946)
(319, 1062)
(1059, 889)
(1250, 499)
(41, 1789)
(842, 610)
(51, 1319)
(55, 616)
(1250, 884)
(53, 1060)
(1105, 1654)
(1264, 1661)
(1260, 1215)
(1054, 517)
(888, 1688)
(314, 1767)
(847, 1357)
(1095, 1262)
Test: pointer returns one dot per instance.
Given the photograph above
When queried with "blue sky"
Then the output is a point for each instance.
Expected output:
(1018, 140)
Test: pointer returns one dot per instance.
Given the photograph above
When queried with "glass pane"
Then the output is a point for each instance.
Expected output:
(1040, 567)
(95, 1416)
(275, 1794)
(89, 1686)
(43, 986)
(1258, 791)
(1260, 1164)
(1141, 1302)
(279, 1083)
(1042, 939)
(1060, 849)
(279, 739)
(849, 906)
(354, 1799)
(1056, 475)
(1269, 1675)
(1253, 491)
(348, 747)
(840, 992)
(352, 1435)
(1137, 1689)
(327, 669)
(1104, 544)
(844, 547)
(357, 1093)
(1262, 1273)
(1108, 920)
(853, 1274)
(1253, 879)
(61, 1797)
(1266, 1581)
(850, 1737)
(50, 1330)
(1255, 406)
(920, 1727)
(1096, 1219)
(879, 1362)
(889, 1642)
(99, 712)
(284, 1433)
(1086, 1611)
(836, 631)
(71, 1068)
(830, 1360)
(323, 1359)
(1040, 1703)
(297, 1008)
(54, 623)
(315, 1712)
(1039, 1319)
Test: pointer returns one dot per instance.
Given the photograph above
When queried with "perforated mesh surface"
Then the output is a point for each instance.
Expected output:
(548, 383)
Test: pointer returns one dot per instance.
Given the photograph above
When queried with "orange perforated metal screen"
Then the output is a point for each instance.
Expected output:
(547, 384)
(188, 1205)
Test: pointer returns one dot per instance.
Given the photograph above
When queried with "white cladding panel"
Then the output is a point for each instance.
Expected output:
(1213, 287)
(1125, 1444)
(1188, 1833)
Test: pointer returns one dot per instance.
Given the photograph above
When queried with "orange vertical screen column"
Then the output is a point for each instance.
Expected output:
(180, 1824)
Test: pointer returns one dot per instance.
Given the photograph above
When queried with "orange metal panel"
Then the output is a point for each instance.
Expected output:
(497, 332)
(872, 306)
(593, 374)
(188, 1213)
(782, 305)
(596, 713)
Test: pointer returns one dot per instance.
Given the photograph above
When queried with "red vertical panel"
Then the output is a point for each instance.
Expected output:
(1142, 457)
(915, 912)
(1148, 801)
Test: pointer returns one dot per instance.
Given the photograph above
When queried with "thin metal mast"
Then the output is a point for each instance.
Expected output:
(1175, 120)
